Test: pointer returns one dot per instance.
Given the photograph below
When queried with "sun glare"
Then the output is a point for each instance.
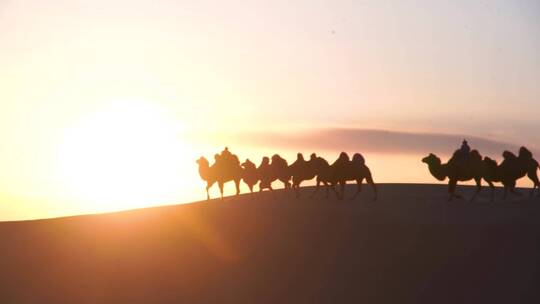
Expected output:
(127, 155)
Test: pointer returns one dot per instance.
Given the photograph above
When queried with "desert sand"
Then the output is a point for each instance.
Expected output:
(411, 246)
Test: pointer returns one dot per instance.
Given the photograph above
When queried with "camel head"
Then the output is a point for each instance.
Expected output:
(435, 168)
(202, 162)
(204, 168)
(431, 159)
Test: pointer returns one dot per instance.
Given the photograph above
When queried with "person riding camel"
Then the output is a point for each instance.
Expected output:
(265, 174)
(465, 149)
(299, 160)
(463, 153)
(228, 159)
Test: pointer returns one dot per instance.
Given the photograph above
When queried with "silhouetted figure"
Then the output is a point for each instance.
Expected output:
(227, 160)
(250, 175)
(324, 175)
(465, 147)
(511, 169)
(266, 175)
(471, 167)
(301, 170)
(281, 171)
(461, 154)
(352, 170)
(220, 172)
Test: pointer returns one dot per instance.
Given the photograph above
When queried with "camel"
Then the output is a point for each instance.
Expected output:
(301, 170)
(226, 168)
(352, 170)
(325, 176)
(511, 169)
(266, 175)
(281, 171)
(458, 169)
(249, 174)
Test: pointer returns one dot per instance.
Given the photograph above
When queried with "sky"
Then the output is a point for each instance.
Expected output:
(105, 105)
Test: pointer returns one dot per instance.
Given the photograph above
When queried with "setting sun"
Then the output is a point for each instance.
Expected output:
(125, 155)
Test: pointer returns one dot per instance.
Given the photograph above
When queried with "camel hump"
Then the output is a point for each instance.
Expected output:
(525, 153)
(359, 159)
(507, 155)
(489, 159)
(475, 155)
(248, 164)
(490, 163)
(279, 161)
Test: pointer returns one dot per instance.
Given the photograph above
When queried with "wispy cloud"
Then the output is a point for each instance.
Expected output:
(376, 141)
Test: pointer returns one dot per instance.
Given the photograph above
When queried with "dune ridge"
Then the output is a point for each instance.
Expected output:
(410, 246)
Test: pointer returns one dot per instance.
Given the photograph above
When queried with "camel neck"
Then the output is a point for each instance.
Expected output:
(438, 171)
(204, 172)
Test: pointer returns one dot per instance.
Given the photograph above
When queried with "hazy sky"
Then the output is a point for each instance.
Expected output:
(452, 67)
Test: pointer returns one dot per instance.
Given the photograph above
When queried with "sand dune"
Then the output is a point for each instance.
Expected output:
(410, 246)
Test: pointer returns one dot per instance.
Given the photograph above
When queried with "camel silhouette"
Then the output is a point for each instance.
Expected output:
(511, 169)
(325, 175)
(459, 168)
(281, 171)
(225, 168)
(266, 175)
(249, 174)
(341, 171)
(301, 170)
(352, 170)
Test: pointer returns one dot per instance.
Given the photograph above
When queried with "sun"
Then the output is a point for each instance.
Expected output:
(127, 155)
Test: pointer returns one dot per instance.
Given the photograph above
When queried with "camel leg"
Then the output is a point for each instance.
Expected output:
(327, 189)
(220, 184)
(513, 189)
(209, 185)
(370, 181)
(536, 183)
(287, 185)
(358, 188)
(237, 184)
(492, 190)
(317, 186)
(342, 190)
(333, 184)
(272, 191)
(297, 189)
(478, 188)
(505, 194)
(452, 189)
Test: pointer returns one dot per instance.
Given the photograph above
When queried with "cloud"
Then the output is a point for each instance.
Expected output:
(376, 141)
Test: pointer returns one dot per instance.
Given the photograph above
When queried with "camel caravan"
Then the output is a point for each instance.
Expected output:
(227, 167)
(466, 164)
